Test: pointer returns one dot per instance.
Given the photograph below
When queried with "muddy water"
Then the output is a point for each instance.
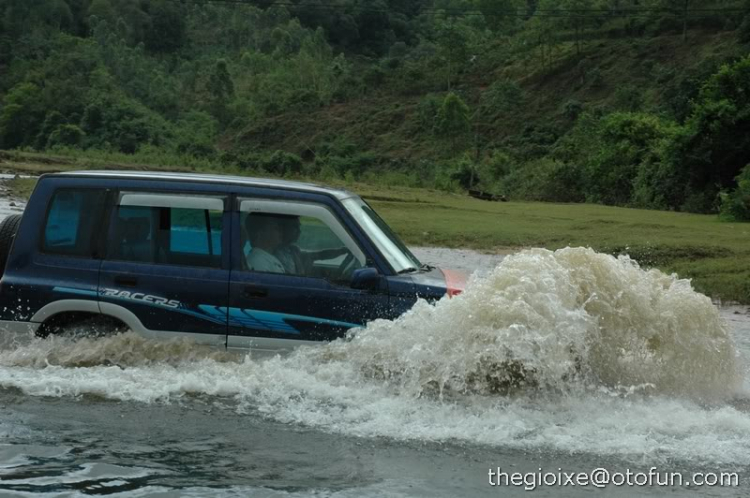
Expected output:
(623, 369)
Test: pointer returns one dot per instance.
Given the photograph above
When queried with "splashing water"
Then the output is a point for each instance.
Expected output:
(564, 319)
(544, 352)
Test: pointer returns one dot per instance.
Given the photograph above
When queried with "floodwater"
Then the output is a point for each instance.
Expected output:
(565, 362)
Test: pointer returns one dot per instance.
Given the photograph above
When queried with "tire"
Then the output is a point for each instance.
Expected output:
(77, 325)
(8, 229)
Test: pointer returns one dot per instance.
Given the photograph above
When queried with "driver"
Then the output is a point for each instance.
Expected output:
(294, 260)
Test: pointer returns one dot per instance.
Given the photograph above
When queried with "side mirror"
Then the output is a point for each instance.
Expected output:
(365, 279)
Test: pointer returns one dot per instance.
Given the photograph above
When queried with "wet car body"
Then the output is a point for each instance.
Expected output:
(162, 254)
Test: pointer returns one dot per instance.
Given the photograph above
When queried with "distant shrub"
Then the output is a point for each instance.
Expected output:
(628, 98)
(594, 78)
(735, 205)
(282, 163)
(743, 32)
(21, 114)
(502, 97)
(464, 172)
(427, 112)
(374, 76)
(572, 109)
(453, 116)
(196, 134)
(392, 178)
(545, 180)
(51, 121)
(629, 155)
(398, 50)
(66, 135)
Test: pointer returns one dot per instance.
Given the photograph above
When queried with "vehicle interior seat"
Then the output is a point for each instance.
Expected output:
(134, 243)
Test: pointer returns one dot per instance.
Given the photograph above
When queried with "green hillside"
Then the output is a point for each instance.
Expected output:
(642, 103)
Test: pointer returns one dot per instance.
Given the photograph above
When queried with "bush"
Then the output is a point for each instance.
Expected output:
(595, 78)
(572, 109)
(545, 180)
(735, 205)
(21, 115)
(629, 153)
(716, 142)
(52, 121)
(353, 165)
(282, 163)
(125, 125)
(374, 77)
(453, 116)
(743, 33)
(197, 132)
(628, 98)
(464, 173)
(427, 112)
(502, 97)
(66, 135)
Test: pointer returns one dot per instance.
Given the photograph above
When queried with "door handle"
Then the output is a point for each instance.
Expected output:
(126, 280)
(253, 291)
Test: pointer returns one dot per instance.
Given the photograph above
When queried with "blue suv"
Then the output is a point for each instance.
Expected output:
(229, 261)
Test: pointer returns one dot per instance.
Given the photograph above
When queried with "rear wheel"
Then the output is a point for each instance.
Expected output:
(8, 229)
(81, 325)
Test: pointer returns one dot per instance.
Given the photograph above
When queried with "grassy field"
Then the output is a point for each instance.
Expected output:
(716, 255)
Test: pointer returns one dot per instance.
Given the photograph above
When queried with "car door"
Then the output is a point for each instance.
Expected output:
(165, 272)
(291, 286)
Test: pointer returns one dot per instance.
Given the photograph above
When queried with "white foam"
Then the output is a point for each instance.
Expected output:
(618, 361)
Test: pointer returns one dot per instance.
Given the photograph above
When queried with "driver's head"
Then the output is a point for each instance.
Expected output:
(264, 230)
(290, 229)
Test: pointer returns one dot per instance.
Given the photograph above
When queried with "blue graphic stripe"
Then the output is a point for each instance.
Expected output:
(309, 319)
(263, 320)
(71, 290)
(274, 321)
(256, 319)
(277, 322)
(220, 319)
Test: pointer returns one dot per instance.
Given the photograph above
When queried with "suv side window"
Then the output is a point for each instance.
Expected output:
(70, 222)
(300, 239)
(167, 229)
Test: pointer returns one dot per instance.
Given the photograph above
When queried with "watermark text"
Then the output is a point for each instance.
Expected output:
(601, 478)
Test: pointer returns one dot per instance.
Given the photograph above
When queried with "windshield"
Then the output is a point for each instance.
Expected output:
(387, 242)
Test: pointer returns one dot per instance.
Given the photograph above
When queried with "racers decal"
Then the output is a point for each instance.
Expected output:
(140, 296)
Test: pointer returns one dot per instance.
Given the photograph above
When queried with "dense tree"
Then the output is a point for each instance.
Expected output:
(166, 31)
(717, 145)
(221, 89)
(454, 121)
(21, 115)
(182, 77)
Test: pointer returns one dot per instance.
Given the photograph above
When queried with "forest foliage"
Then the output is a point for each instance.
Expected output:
(521, 98)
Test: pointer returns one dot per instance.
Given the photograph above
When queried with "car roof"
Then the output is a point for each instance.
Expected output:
(209, 178)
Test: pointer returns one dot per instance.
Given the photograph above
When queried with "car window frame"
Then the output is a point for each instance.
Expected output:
(95, 247)
(117, 195)
(242, 198)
